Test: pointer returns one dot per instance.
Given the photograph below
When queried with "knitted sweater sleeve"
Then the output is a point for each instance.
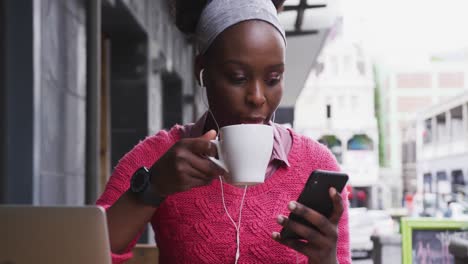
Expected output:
(342, 246)
(145, 154)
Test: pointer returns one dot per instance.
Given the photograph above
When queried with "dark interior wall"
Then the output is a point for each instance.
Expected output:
(284, 115)
(128, 79)
(172, 100)
(2, 106)
(18, 87)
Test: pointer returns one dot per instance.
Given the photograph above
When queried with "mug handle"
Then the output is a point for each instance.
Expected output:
(220, 161)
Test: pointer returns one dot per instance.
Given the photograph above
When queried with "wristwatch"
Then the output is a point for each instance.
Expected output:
(140, 185)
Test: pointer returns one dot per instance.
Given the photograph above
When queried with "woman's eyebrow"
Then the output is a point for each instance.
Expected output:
(276, 65)
(232, 61)
(237, 62)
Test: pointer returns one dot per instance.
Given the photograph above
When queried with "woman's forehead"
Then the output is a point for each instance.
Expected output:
(249, 40)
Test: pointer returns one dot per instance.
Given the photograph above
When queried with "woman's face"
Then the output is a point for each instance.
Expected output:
(244, 73)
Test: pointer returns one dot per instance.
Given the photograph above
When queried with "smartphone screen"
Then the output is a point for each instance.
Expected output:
(315, 195)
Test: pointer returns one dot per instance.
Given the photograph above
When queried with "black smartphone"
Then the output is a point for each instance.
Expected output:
(315, 195)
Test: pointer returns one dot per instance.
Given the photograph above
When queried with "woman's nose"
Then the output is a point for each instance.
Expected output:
(255, 95)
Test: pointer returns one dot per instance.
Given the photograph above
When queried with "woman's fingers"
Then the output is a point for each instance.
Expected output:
(337, 206)
(196, 174)
(298, 245)
(322, 224)
(305, 232)
(201, 147)
(204, 166)
(317, 242)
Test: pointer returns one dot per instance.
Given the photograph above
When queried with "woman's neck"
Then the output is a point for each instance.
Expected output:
(210, 123)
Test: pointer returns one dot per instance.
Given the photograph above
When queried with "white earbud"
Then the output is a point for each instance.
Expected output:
(201, 78)
(202, 85)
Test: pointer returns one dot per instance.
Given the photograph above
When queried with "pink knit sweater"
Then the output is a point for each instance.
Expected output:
(192, 227)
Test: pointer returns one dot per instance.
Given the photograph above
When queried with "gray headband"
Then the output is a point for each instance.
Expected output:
(218, 15)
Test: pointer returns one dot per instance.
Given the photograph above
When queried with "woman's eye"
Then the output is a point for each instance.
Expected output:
(238, 79)
(273, 80)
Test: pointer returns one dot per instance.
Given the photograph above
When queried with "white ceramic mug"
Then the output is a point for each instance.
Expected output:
(244, 151)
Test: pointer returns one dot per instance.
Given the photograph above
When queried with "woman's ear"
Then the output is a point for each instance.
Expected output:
(199, 66)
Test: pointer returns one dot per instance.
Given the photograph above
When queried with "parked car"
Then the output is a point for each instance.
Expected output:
(383, 222)
(360, 231)
(449, 206)
(364, 223)
(458, 211)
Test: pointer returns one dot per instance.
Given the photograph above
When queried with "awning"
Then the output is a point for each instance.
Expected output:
(307, 24)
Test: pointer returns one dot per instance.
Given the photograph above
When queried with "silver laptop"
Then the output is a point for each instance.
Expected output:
(50, 235)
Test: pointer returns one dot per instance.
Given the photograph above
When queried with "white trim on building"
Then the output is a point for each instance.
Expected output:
(442, 149)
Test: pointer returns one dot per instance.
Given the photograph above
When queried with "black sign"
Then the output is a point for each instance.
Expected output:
(431, 246)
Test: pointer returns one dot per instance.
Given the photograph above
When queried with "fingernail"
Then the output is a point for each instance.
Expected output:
(292, 205)
(275, 235)
(332, 191)
(280, 219)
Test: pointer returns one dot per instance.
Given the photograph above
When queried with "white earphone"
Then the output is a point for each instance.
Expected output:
(236, 226)
(201, 78)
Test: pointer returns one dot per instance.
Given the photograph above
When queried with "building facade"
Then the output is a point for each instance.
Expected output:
(336, 107)
(403, 91)
(442, 153)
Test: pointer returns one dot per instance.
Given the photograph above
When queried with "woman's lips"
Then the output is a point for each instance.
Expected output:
(253, 120)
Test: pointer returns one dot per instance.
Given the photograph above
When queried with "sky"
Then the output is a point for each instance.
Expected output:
(407, 29)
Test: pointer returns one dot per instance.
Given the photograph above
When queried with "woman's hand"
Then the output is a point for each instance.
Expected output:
(319, 245)
(185, 165)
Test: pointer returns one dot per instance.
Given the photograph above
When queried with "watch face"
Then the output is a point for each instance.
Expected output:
(140, 180)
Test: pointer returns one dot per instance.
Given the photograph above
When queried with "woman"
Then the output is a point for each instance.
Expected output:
(196, 216)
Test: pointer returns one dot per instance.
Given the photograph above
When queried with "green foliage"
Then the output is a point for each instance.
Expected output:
(378, 112)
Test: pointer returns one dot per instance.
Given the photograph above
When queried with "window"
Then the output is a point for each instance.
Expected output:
(427, 179)
(451, 79)
(360, 142)
(427, 133)
(412, 151)
(404, 153)
(414, 80)
(409, 152)
(466, 118)
(328, 111)
(456, 121)
(441, 128)
(334, 144)
(361, 67)
(458, 181)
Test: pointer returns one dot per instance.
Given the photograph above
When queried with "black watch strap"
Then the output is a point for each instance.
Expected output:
(141, 186)
(150, 197)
